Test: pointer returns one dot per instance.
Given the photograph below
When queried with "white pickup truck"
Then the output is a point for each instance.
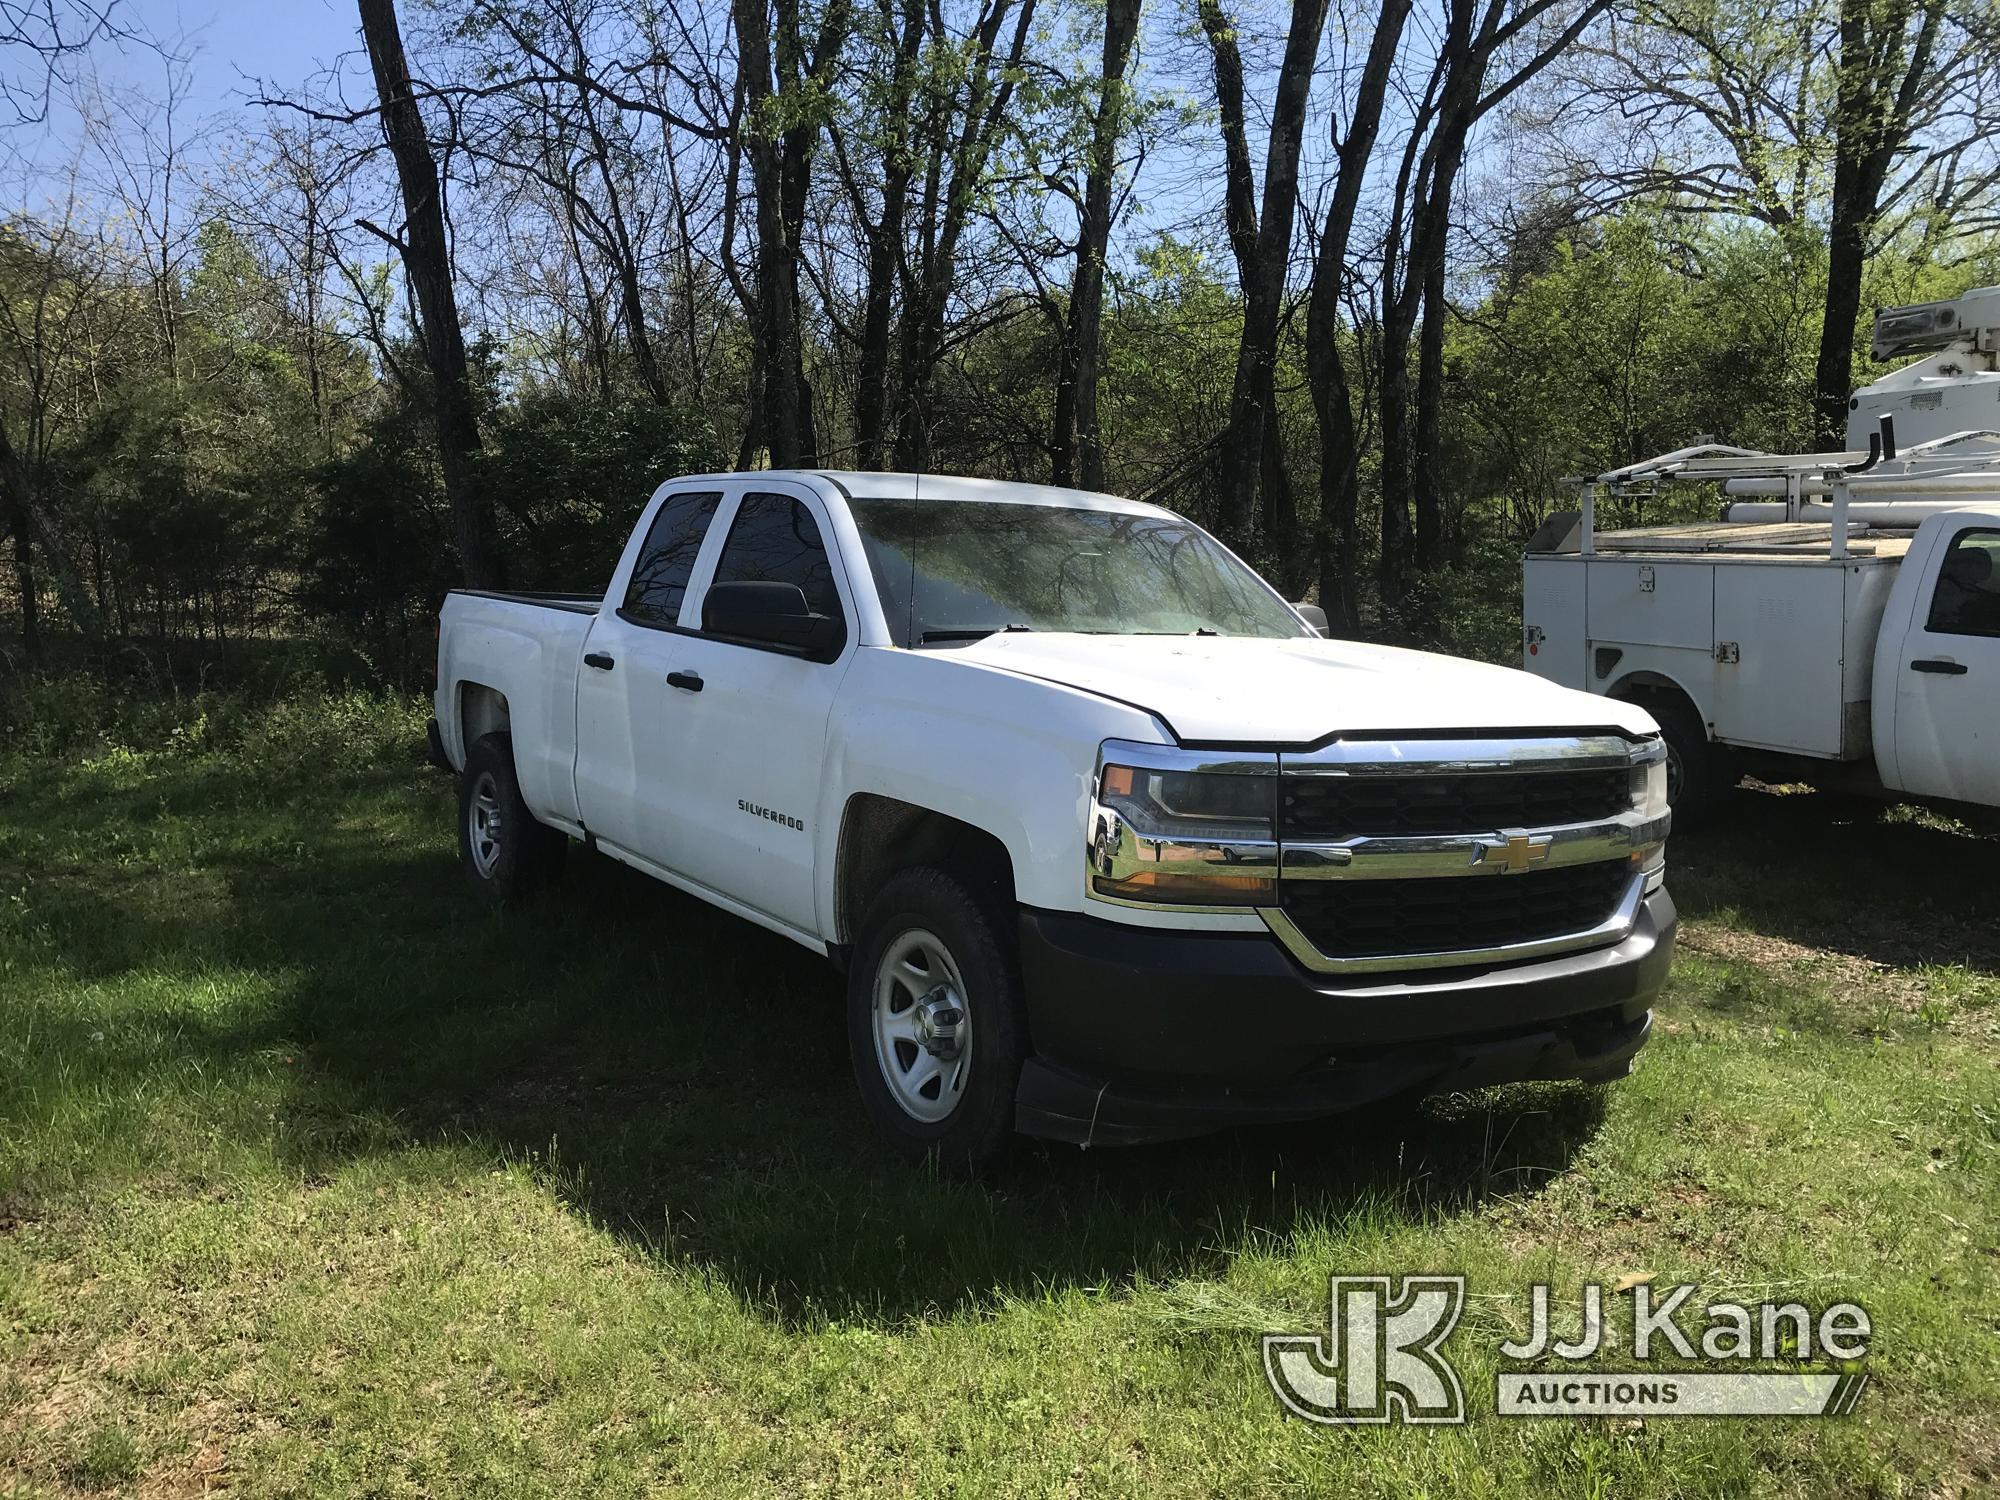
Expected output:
(1110, 843)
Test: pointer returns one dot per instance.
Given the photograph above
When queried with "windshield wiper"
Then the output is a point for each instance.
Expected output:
(931, 636)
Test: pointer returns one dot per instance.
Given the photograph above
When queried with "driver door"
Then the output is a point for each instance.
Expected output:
(744, 746)
(1948, 677)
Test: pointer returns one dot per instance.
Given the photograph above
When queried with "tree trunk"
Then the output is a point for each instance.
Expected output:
(1833, 373)
(885, 245)
(1251, 451)
(777, 328)
(1326, 368)
(427, 263)
(1398, 545)
(24, 578)
(795, 176)
(1077, 450)
(1878, 80)
(1427, 479)
(31, 524)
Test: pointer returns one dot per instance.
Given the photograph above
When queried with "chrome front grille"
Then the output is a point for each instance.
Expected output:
(1415, 853)
(1355, 919)
(1339, 807)
(1421, 853)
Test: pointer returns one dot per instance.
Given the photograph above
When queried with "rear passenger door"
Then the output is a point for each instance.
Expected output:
(624, 706)
(749, 735)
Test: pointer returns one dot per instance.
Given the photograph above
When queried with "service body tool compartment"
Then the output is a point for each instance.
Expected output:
(1779, 631)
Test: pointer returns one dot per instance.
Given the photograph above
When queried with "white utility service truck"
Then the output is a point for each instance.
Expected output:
(1839, 624)
(1112, 844)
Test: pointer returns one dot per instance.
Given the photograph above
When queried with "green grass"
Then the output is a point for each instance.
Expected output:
(316, 1177)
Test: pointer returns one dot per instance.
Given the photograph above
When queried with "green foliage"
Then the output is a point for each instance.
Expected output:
(569, 476)
(1636, 336)
(376, 554)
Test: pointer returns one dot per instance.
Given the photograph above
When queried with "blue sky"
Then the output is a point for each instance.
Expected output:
(226, 43)
(282, 41)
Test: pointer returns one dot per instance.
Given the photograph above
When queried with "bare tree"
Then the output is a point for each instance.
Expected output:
(1252, 455)
(1333, 384)
(426, 255)
(53, 280)
(1527, 35)
(965, 116)
(42, 40)
(1878, 114)
(1076, 450)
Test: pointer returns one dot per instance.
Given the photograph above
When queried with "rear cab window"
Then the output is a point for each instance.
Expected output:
(666, 559)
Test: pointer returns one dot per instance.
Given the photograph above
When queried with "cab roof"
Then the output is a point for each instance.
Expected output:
(869, 485)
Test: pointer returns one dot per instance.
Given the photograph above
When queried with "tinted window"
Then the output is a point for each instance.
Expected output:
(776, 540)
(666, 560)
(1967, 598)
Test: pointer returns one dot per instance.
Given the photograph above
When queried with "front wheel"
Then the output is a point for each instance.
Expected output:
(935, 1027)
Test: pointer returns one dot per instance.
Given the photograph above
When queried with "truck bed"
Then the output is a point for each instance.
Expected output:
(576, 604)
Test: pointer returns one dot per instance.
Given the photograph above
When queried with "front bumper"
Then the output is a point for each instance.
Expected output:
(1146, 1035)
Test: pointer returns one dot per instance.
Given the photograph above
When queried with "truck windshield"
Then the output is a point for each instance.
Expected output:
(951, 571)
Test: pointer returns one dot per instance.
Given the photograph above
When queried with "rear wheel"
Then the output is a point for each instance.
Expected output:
(506, 853)
(935, 1027)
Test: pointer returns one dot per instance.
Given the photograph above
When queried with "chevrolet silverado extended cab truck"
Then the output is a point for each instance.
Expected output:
(1111, 845)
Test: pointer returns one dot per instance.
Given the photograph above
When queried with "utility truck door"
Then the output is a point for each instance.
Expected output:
(1947, 683)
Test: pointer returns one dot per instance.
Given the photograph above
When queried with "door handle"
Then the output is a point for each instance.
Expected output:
(599, 660)
(689, 682)
(1938, 664)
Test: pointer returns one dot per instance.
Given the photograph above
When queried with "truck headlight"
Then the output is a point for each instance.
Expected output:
(1649, 784)
(1184, 837)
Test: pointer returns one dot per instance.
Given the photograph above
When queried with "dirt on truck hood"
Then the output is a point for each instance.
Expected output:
(1236, 690)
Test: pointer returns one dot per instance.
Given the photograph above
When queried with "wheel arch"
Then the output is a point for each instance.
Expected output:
(482, 710)
(880, 835)
(1639, 686)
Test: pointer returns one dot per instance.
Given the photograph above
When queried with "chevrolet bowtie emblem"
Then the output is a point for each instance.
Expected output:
(1514, 856)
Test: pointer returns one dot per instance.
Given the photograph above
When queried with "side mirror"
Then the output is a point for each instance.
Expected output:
(771, 614)
(1314, 616)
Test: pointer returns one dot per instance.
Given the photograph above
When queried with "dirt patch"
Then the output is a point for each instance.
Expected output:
(1849, 976)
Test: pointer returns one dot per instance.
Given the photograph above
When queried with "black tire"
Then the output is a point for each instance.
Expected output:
(973, 1105)
(1696, 776)
(507, 855)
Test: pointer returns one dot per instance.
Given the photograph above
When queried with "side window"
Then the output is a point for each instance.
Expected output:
(776, 540)
(1967, 598)
(666, 558)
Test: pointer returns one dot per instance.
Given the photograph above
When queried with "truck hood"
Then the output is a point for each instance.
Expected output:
(1238, 690)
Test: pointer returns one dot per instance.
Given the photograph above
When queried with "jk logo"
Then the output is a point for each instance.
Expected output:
(1379, 1361)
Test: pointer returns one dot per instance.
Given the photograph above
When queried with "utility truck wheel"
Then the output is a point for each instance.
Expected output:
(506, 853)
(934, 1021)
(1696, 777)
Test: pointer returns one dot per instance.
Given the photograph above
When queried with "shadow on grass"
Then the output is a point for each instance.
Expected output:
(1843, 874)
(680, 1076)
